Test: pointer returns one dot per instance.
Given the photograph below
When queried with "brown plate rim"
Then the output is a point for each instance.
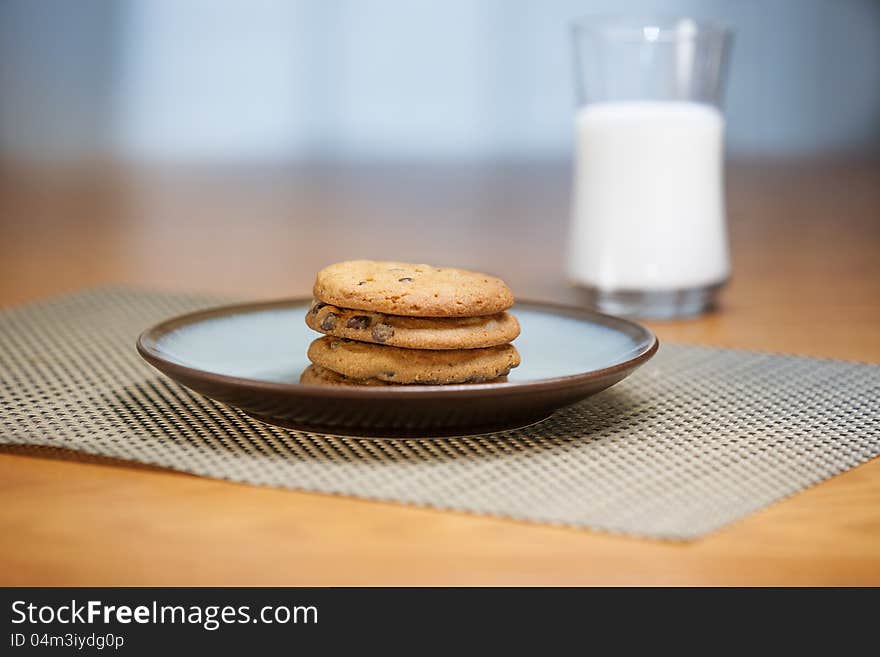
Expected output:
(147, 347)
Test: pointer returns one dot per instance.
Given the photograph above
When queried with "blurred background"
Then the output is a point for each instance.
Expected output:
(267, 81)
(237, 146)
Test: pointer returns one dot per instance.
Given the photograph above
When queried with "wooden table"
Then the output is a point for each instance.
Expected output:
(806, 247)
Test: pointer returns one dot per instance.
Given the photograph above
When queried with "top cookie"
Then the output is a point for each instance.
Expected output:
(401, 288)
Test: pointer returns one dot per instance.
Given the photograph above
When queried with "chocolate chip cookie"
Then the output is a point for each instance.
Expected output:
(401, 288)
(361, 360)
(413, 332)
(321, 376)
(317, 375)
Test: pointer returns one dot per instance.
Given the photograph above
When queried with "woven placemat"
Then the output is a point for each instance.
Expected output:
(695, 439)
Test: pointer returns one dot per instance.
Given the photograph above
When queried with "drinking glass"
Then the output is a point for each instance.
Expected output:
(648, 232)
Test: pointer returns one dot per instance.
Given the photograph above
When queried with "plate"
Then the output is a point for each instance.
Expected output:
(251, 356)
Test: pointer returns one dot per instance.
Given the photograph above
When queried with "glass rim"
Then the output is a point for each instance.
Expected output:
(648, 28)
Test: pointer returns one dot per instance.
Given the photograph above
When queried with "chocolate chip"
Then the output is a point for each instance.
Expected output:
(358, 322)
(317, 307)
(406, 279)
(362, 283)
(381, 332)
(390, 375)
(329, 322)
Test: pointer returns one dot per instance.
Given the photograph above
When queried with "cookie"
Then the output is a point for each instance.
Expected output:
(413, 332)
(400, 288)
(320, 376)
(362, 360)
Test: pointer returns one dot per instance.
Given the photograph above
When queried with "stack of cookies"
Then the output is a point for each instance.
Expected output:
(392, 323)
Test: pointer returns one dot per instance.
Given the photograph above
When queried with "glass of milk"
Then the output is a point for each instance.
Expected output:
(648, 235)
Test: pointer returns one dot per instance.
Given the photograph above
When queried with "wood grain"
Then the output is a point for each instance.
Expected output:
(805, 237)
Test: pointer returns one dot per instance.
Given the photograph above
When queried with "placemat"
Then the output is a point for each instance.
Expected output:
(695, 439)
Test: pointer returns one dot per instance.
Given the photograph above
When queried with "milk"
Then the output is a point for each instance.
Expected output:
(648, 211)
